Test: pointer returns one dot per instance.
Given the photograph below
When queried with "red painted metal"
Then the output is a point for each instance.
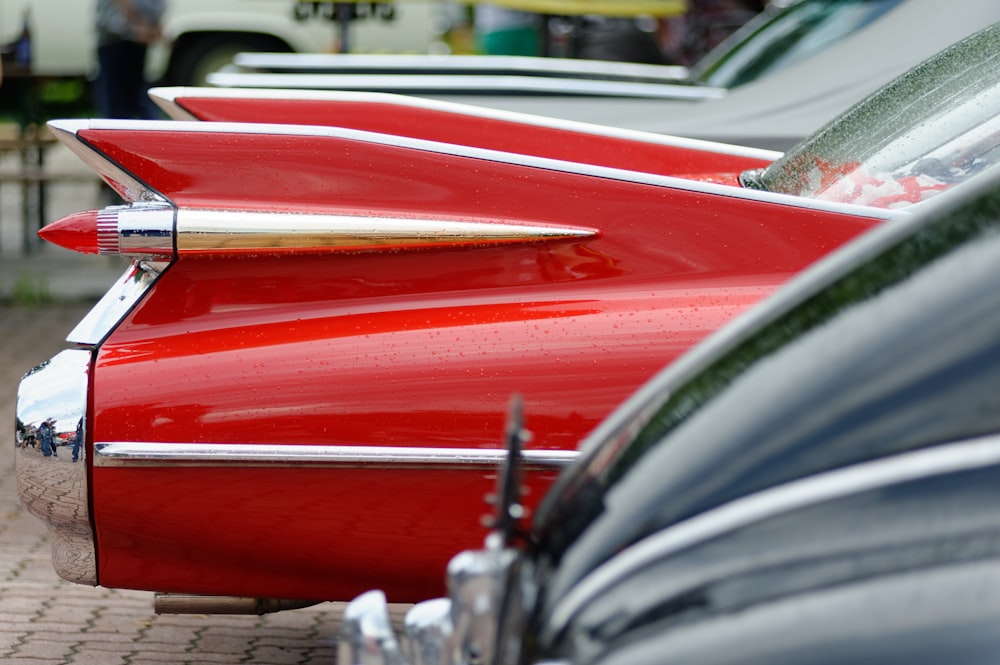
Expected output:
(77, 232)
(345, 175)
(473, 128)
(411, 348)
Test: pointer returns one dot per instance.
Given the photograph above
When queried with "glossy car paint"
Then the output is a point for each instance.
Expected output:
(834, 580)
(395, 348)
(461, 124)
(888, 352)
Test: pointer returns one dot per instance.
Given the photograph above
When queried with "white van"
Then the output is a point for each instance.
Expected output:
(202, 35)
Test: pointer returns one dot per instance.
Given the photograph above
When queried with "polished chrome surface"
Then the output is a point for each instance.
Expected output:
(235, 454)
(459, 630)
(428, 632)
(51, 463)
(477, 582)
(141, 229)
(145, 230)
(366, 635)
(115, 304)
(242, 231)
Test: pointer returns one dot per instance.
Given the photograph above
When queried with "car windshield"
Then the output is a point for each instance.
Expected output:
(930, 129)
(782, 35)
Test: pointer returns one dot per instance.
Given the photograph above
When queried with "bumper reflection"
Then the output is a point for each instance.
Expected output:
(51, 465)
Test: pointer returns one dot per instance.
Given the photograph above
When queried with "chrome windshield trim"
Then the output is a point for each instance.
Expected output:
(235, 454)
(115, 304)
(51, 460)
(881, 473)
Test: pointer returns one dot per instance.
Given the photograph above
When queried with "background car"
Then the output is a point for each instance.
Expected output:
(789, 72)
(313, 341)
(785, 32)
(200, 36)
(780, 109)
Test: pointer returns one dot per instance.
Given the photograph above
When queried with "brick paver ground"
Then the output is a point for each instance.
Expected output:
(46, 621)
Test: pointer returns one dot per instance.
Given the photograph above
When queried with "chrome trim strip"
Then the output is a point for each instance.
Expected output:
(145, 229)
(474, 84)
(50, 460)
(462, 64)
(115, 304)
(213, 230)
(488, 155)
(929, 462)
(234, 454)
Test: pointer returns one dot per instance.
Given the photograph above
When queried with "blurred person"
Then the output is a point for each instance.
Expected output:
(125, 29)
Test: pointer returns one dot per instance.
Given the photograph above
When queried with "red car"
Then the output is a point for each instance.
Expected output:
(297, 390)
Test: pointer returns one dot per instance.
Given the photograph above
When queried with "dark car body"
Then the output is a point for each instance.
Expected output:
(817, 483)
(840, 457)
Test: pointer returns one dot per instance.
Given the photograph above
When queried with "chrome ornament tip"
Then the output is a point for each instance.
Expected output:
(366, 634)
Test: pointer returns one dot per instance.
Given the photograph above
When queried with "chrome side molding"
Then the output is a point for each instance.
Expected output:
(129, 453)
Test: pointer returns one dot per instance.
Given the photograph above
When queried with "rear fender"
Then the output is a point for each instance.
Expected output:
(464, 125)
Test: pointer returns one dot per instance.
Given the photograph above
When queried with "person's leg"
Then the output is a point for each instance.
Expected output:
(120, 80)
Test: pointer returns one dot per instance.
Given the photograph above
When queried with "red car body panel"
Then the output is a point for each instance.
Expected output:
(396, 347)
(336, 174)
(461, 125)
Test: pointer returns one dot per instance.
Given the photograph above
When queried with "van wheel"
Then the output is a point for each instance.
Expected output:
(194, 57)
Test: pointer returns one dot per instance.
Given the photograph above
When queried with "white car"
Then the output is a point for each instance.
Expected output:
(202, 35)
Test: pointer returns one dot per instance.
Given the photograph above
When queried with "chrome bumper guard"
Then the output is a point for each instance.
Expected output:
(50, 459)
(458, 630)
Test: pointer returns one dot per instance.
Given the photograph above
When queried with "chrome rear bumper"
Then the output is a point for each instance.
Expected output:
(51, 460)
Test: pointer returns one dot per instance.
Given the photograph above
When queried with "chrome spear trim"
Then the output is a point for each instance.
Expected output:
(221, 231)
(234, 454)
